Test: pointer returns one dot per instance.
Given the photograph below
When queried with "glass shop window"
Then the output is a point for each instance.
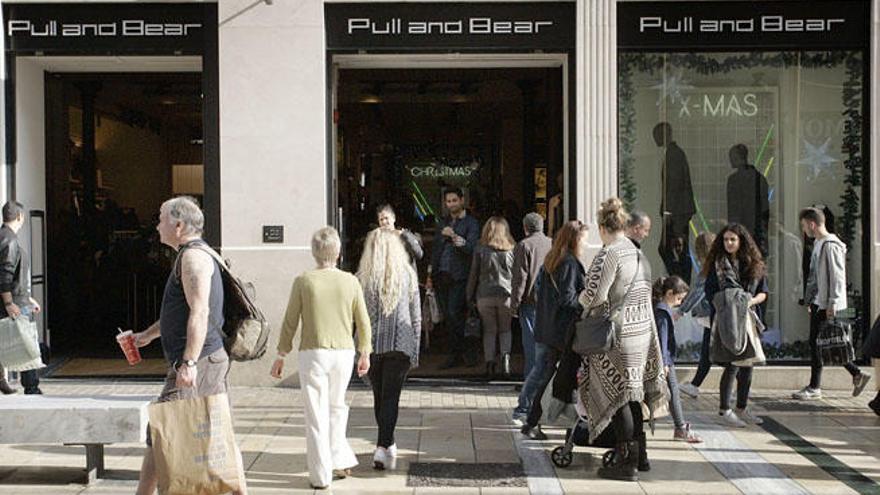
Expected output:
(751, 137)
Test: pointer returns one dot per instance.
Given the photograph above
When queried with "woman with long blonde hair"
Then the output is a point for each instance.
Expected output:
(391, 291)
(489, 286)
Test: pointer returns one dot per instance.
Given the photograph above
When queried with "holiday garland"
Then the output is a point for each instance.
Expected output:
(704, 64)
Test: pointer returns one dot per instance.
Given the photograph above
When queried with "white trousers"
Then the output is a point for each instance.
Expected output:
(324, 375)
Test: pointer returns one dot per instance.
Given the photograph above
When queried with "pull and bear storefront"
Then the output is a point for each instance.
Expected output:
(545, 106)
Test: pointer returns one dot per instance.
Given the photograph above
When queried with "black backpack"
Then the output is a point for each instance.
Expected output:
(245, 329)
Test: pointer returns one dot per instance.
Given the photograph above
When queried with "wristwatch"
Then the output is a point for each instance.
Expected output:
(189, 363)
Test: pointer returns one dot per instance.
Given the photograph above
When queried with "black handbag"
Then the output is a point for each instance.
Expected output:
(835, 342)
(595, 334)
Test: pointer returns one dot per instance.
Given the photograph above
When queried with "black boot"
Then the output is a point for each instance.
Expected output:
(6, 388)
(644, 464)
(505, 364)
(622, 466)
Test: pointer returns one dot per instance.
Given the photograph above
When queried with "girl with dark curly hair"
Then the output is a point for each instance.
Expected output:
(735, 259)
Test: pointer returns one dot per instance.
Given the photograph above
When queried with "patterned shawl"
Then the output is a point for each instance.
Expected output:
(633, 370)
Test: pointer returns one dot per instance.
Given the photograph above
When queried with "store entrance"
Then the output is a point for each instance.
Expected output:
(403, 136)
(117, 146)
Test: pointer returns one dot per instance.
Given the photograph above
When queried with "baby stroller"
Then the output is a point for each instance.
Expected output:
(578, 435)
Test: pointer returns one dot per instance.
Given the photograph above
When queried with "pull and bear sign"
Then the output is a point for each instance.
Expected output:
(129, 27)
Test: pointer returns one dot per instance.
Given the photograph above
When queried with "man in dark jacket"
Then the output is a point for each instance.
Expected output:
(677, 204)
(15, 284)
(450, 267)
(528, 256)
(748, 201)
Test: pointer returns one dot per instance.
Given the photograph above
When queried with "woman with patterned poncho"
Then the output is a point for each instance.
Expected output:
(616, 383)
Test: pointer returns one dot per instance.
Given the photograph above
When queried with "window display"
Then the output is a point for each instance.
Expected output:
(749, 137)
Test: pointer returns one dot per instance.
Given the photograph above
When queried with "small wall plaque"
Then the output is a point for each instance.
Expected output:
(273, 233)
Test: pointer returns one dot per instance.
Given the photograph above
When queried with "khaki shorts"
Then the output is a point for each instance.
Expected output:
(211, 373)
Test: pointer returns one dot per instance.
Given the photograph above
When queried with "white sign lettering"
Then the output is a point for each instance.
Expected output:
(766, 23)
(128, 28)
(470, 26)
(717, 105)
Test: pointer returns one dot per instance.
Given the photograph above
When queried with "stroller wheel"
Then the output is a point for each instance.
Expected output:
(608, 458)
(561, 457)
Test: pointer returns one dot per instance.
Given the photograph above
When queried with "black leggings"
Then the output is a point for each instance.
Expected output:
(387, 376)
(628, 422)
(743, 386)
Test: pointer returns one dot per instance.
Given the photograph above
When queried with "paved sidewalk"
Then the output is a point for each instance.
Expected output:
(828, 447)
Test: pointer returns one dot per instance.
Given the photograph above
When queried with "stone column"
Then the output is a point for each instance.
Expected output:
(596, 177)
(874, 165)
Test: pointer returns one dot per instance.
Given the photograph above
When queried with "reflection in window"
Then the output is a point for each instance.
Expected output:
(711, 138)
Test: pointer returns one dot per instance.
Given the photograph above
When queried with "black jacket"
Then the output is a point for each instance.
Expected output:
(558, 307)
(13, 269)
(460, 256)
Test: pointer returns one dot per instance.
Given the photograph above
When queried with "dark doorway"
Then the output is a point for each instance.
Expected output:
(403, 136)
(118, 145)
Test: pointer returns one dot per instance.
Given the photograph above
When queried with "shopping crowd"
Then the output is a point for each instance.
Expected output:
(598, 337)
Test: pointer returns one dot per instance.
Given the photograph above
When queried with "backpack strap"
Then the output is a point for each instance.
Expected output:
(201, 247)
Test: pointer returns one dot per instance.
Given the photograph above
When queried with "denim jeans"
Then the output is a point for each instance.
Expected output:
(533, 380)
(674, 399)
(527, 325)
(544, 370)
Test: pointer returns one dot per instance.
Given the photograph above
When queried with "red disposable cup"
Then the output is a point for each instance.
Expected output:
(126, 342)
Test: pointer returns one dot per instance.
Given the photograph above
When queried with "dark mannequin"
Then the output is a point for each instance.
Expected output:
(748, 200)
(677, 204)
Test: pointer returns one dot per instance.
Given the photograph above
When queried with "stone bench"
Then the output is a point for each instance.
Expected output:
(91, 421)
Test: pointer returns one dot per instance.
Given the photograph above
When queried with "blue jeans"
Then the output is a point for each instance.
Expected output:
(537, 378)
(674, 399)
(527, 313)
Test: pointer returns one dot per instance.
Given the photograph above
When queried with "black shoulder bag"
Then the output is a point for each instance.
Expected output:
(595, 334)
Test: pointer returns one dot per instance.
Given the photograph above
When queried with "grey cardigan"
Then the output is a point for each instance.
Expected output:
(826, 284)
(401, 330)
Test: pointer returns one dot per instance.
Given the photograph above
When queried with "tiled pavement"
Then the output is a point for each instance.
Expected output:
(470, 424)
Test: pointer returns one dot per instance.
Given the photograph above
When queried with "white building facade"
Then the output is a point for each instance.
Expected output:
(307, 112)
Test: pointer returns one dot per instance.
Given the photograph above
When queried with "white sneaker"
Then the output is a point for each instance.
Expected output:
(380, 458)
(689, 389)
(807, 393)
(729, 418)
(391, 456)
(747, 416)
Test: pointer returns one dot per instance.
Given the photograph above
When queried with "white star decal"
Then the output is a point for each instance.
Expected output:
(671, 87)
(816, 157)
